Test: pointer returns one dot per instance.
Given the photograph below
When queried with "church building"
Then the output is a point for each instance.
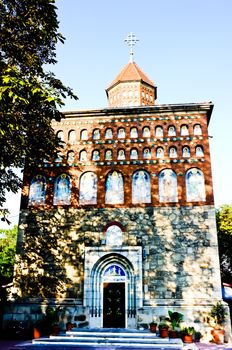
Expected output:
(121, 226)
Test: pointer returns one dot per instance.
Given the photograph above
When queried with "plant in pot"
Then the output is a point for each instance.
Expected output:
(163, 329)
(175, 318)
(153, 326)
(187, 334)
(217, 316)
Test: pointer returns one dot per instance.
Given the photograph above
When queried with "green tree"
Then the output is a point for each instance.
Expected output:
(224, 229)
(7, 253)
(30, 97)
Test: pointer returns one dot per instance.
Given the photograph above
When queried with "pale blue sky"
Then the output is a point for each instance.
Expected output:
(185, 47)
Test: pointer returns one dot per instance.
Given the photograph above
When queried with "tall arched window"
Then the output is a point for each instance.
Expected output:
(195, 185)
(84, 134)
(37, 191)
(96, 134)
(146, 153)
(146, 131)
(133, 132)
(83, 157)
(199, 151)
(72, 136)
(171, 130)
(172, 152)
(141, 187)
(70, 157)
(88, 188)
(184, 130)
(60, 135)
(114, 235)
(121, 154)
(96, 155)
(159, 131)
(114, 188)
(62, 190)
(197, 129)
(159, 152)
(185, 152)
(134, 153)
(168, 186)
(121, 133)
(108, 134)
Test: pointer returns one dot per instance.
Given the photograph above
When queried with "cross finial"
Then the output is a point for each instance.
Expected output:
(131, 40)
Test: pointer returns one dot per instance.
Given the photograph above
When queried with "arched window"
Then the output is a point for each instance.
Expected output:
(146, 153)
(70, 157)
(109, 134)
(168, 186)
(114, 188)
(133, 153)
(121, 154)
(195, 185)
(62, 190)
(184, 130)
(84, 134)
(146, 131)
(197, 129)
(121, 133)
(141, 187)
(159, 131)
(37, 191)
(96, 155)
(114, 235)
(172, 152)
(108, 154)
(199, 151)
(171, 130)
(72, 136)
(83, 156)
(59, 158)
(159, 152)
(96, 134)
(133, 132)
(185, 152)
(88, 188)
(60, 135)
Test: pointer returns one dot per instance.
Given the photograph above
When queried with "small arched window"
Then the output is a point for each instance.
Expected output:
(121, 133)
(108, 134)
(172, 152)
(185, 152)
(108, 154)
(146, 153)
(114, 188)
(70, 157)
(171, 130)
(37, 191)
(168, 186)
(88, 188)
(60, 135)
(195, 185)
(134, 132)
(96, 134)
(83, 156)
(95, 155)
(134, 153)
(146, 131)
(141, 187)
(72, 136)
(199, 151)
(159, 131)
(59, 158)
(121, 154)
(114, 235)
(197, 129)
(184, 131)
(159, 152)
(62, 190)
(84, 135)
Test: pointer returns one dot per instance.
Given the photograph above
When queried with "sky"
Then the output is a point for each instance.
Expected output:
(185, 48)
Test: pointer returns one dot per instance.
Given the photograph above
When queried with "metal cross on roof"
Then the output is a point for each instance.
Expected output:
(131, 40)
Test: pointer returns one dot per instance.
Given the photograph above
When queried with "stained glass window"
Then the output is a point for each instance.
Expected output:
(141, 187)
(114, 188)
(195, 185)
(185, 152)
(121, 154)
(37, 191)
(147, 153)
(62, 190)
(88, 188)
(168, 186)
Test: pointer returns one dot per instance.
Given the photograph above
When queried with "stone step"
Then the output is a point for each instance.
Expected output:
(108, 338)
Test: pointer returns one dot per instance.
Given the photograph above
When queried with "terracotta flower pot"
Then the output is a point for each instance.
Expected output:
(164, 332)
(218, 335)
(187, 338)
(172, 334)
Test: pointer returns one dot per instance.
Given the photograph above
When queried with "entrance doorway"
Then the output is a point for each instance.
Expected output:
(114, 305)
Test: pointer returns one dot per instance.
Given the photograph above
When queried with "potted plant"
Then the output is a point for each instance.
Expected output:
(218, 315)
(187, 334)
(163, 329)
(175, 318)
(153, 326)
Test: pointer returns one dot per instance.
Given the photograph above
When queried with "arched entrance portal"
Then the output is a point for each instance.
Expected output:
(113, 286)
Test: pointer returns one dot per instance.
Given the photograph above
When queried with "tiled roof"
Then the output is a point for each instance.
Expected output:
(131, 72)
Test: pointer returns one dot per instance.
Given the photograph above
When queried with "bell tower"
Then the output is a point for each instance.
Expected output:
(131, 87)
